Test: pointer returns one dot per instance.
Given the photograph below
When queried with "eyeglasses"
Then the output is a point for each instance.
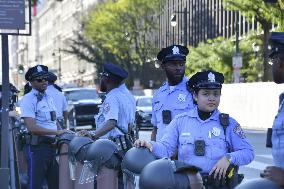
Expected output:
(42, 79)
(104, 74)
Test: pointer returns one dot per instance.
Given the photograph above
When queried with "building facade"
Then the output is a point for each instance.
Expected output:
(53, 26)
(189, 22)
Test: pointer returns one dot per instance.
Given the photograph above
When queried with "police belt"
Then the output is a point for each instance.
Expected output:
(36, 139)
(229, 181)
(123, 142)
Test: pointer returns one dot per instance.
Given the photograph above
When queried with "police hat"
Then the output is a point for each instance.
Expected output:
(111, 69)
(277, 43)
(206, 80)
(36, 71)
(51, 77)
(174, 52)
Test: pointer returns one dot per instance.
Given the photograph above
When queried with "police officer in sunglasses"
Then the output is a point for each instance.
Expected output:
(38, 111)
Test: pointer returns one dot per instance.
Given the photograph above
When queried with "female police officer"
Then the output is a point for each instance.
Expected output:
(203, 136)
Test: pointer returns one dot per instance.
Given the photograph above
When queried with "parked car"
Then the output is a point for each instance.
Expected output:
(83, 105)
(143, 112)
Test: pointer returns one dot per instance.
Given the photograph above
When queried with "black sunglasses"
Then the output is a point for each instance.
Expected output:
(104, 74)
(40, 79)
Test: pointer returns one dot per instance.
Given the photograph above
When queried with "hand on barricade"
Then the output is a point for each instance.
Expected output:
(60, 132)
(276, 174)
(220, 168)
(143, 143)
(84, 133)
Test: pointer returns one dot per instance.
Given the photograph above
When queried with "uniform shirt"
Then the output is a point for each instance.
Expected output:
(278, 135)
(178, 100)
(59, 100)
(118, 105)
(39, 110)
(186, 128)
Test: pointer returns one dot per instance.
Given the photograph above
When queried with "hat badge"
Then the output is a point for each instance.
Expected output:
(211, 77)
(39, 69)
(175, 50)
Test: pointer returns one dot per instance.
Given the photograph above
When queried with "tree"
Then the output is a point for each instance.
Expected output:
(217, 53)
(265, 14)
(119, 32)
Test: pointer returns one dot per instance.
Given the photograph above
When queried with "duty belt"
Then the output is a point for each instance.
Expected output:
(123, 142)
(36, 140)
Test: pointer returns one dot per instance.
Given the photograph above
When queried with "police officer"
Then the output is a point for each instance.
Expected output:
(59, 99)
(38, 112)
(117, 112)
(172, 98)
(276, 173)
(118, 109)
(203, 136)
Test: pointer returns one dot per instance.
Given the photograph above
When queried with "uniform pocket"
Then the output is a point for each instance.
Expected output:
(43, 113)
(157, 108)
(278, 138)
(216, 147)
(186, 147)
(180, 106)
(278, 124)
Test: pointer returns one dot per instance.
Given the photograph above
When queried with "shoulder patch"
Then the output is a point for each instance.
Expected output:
(106, 108)
(239, 131)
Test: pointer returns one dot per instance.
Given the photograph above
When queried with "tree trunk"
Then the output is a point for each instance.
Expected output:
(267, 69)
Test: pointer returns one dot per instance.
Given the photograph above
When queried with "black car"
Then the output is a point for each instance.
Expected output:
(83, 105)
(143, 111)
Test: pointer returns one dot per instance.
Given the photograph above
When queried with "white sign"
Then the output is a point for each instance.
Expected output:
(237, 60)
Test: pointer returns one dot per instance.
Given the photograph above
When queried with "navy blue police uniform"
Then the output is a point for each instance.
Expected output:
(40, 152)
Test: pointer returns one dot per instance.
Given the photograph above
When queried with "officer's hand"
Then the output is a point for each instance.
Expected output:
(60, 132)
(275, 174)
(14, 114)
(84, 133)
(144, 143)
(220, 168)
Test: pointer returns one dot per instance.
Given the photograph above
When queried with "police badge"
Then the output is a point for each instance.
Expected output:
(175, 50)
(211, 77)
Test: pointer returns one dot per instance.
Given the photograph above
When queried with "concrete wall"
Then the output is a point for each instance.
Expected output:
(253, 105)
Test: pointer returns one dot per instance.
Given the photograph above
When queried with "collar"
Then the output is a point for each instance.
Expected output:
(35, 92)
(180, 86)
(214, 116)
(51, 86)
(122, 86)
(113, 90)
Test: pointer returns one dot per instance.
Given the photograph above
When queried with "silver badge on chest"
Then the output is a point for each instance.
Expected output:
(181, 97)
(216, 131)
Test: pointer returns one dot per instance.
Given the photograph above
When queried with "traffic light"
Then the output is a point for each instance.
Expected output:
(21, 69)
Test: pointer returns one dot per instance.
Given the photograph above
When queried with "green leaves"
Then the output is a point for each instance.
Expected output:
(121, 28)
(217, 54)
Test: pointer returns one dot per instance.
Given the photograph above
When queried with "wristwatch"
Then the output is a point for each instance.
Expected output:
(229, 158)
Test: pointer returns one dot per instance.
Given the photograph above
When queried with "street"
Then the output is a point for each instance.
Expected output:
(263, 155)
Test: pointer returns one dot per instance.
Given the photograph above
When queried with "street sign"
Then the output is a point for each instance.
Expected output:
(237, 60)
(12, 14)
